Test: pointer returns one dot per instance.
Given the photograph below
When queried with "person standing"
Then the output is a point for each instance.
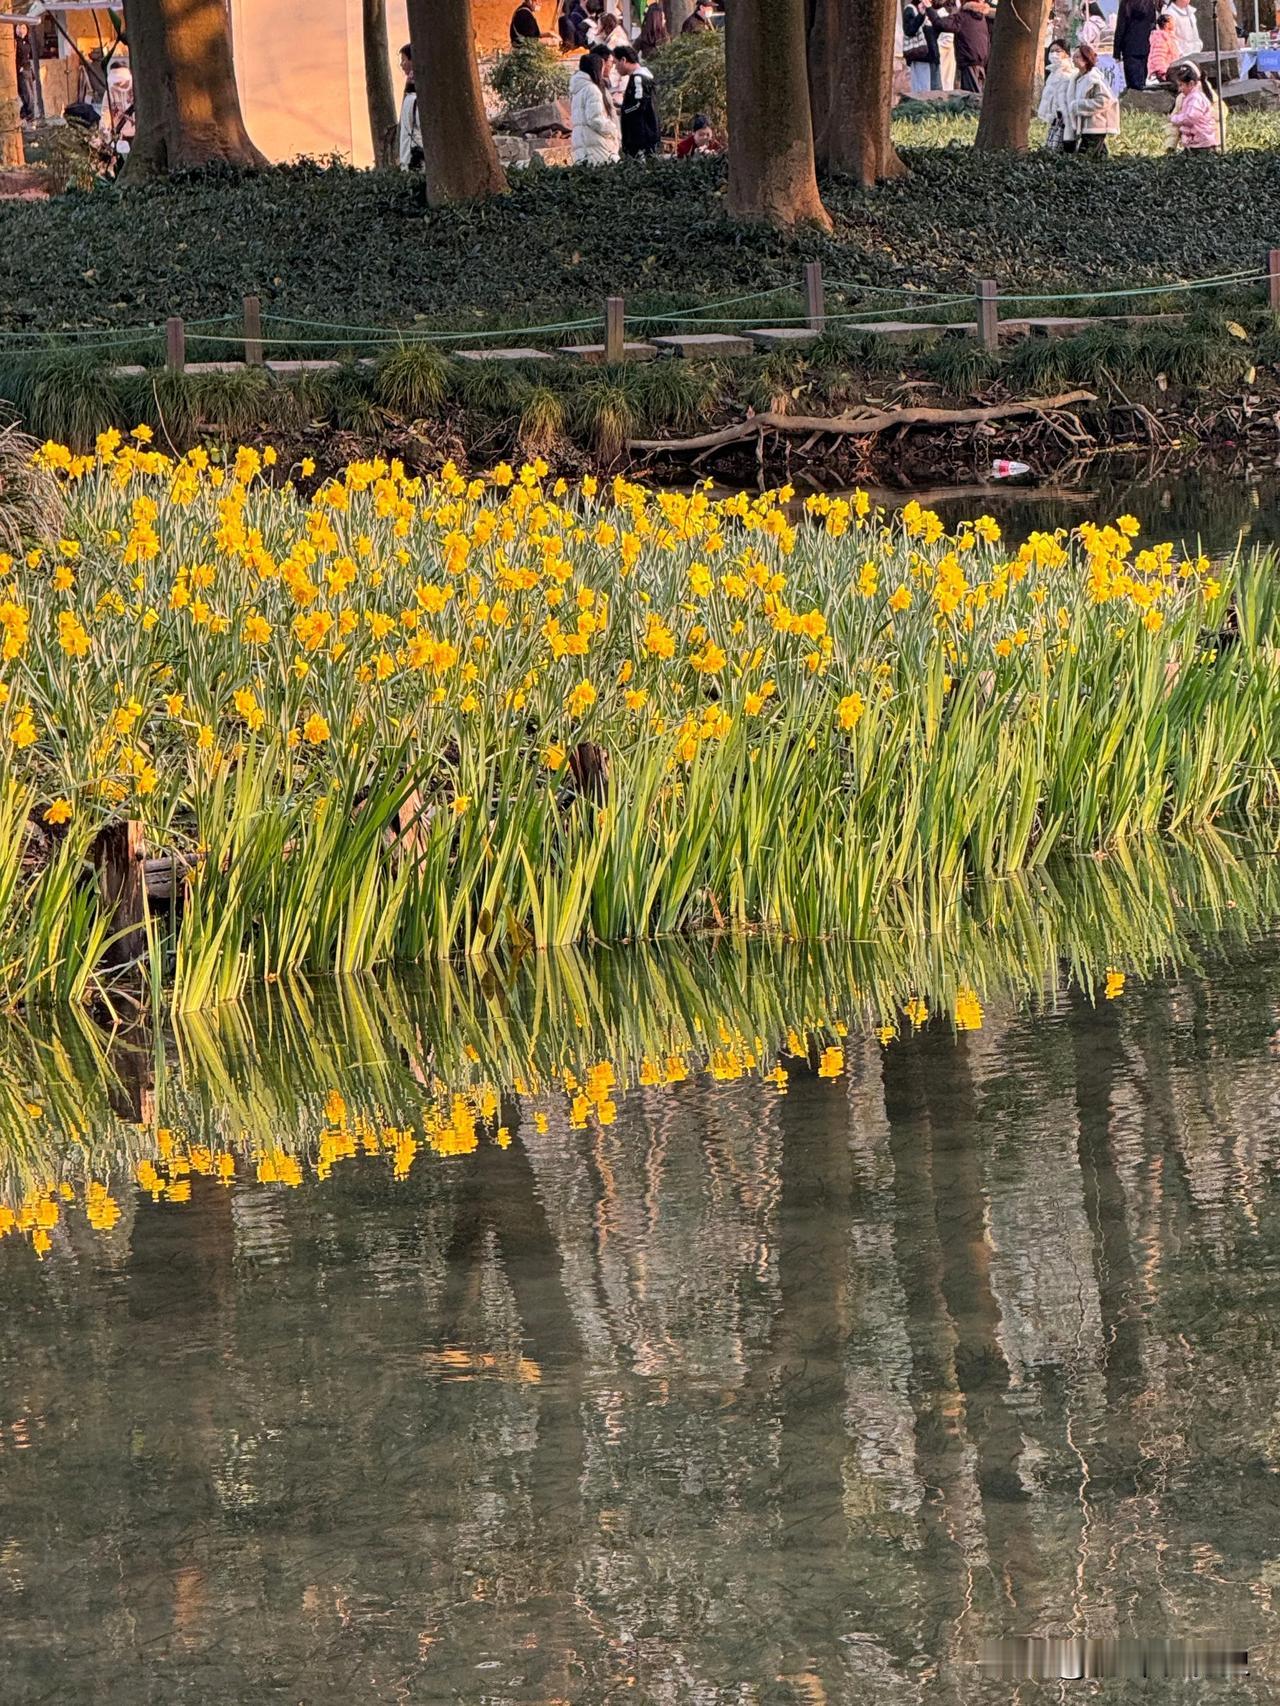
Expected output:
(971, 28)
(653, 31)
(597, 138)
(411, 156)
(1186, 30)
(1134, 23)
(641, 134)
(1094, 111)
(920, 47)
(524, 23)
(1162, 49)
(30, 98)
(699, 20)
(1055, 98)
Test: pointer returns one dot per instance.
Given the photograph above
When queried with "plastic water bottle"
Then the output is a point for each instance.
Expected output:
(1002, 470)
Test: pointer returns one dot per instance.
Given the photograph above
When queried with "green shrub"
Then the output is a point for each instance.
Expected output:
(690, 78)
(529, 76)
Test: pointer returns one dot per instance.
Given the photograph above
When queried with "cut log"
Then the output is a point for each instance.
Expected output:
(864, 425)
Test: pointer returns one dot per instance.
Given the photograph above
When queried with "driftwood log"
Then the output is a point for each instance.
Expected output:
(866, 423)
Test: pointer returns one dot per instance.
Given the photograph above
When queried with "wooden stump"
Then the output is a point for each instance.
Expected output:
(119, 853)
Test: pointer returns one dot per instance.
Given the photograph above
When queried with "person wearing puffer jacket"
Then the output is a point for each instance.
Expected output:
(597, 137)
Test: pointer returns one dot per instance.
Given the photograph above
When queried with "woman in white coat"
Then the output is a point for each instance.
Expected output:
(597, 132)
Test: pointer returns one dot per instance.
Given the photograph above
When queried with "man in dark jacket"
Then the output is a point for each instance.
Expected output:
(699, 20)
(524, 23)
(640, 131)
(972, 30)
(1134, 23)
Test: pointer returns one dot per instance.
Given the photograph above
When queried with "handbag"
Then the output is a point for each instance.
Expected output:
(915, 50)
(1056, 139)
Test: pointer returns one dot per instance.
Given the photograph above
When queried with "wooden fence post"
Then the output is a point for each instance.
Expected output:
(119, 853)
(988, 314)
(615, 334)
(1273, 280)
(175, 344)
(815, 304)
(252, 331)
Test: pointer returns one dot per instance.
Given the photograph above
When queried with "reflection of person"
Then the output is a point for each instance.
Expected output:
(411, 158)
(29, 95)
(1134, 23)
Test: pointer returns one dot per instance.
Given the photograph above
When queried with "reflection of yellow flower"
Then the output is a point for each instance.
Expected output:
(1115, 984)
(968, 1010)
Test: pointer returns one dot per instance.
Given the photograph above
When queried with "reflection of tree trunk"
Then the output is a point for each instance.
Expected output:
(1099, 1058)
(940, 1453)
(812, 1330)
(498, 1194)
(850, 59)
(960, 1208)
(184, 84)
(1016, 36)
(677, 12)
(459, 157)
(379, 94)
(771, 171)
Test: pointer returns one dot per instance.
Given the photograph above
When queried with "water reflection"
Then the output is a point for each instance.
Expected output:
(717, 1389)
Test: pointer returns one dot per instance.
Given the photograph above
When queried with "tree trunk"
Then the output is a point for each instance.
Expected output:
(379, 93)
(11, 150)
(459, 159)
(1005, 122)
(677, 12)
(771, 170)
(186, 102)
(850, 55)
(1204, 10)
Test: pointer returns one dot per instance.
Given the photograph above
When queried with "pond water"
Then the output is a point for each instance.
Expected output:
(1211, 504)
(533, 1338)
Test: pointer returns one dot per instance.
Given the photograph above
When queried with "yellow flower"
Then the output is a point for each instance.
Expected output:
(315, 731)
(204, 737)
(24, 729)
(580, 700)
(1153, 621)
(175, 704)
(900, 599)
(553, 756)
(460, 805)
(59, 812)
(143, 434)
(306, 467)
(256, 630)
(850, 710)
(73, 637)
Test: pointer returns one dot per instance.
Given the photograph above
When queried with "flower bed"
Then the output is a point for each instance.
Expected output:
(405, 719)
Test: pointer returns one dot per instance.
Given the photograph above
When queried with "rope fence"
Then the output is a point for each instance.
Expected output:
(245, 331)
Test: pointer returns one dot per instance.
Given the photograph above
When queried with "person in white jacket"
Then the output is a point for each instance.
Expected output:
(1186, 29)
(1055, 98)
(1094, 112)
(597, 133)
